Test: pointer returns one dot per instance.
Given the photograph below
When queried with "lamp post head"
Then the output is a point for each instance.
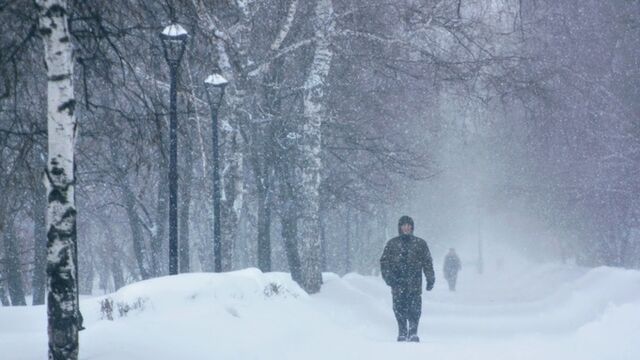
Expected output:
(174, 41)
(215, 85)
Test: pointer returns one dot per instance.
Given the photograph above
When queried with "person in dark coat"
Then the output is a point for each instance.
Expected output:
(451, 267)
(403, 261)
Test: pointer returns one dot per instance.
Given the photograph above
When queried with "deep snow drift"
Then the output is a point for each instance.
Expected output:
(523, 312)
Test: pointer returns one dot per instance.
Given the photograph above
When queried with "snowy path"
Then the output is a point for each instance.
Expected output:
(542, 312)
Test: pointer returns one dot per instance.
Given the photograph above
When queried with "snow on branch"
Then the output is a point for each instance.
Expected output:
(174, 30)
(286, 26)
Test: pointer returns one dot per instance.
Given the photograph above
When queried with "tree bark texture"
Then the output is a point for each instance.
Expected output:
(136, 232)
(232, 191)
(289, 221)
(311, 147)
(289, 233)
(264, 230)
(62, 299)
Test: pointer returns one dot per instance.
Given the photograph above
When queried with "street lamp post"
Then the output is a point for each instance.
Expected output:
(215, 85)
(174, 40)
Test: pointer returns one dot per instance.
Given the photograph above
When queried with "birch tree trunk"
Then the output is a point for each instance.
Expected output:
(232, 161)
(62, 299)
(311, 147)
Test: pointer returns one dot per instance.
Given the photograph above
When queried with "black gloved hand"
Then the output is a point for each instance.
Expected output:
(429, 286)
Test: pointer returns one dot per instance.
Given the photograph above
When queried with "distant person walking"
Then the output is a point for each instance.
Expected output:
(403, 261)
(451, 267)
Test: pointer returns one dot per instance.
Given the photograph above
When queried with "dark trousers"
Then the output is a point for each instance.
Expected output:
(451, 279)
(407, 307)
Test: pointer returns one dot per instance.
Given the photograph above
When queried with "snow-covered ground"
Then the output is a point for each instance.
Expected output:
(523, 312)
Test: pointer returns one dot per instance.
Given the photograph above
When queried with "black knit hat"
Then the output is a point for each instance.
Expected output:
(405, 220)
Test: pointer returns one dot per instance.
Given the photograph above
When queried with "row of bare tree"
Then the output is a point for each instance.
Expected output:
(330, 117)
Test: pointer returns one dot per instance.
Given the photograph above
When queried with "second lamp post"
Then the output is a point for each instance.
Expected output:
(174, 40)
(215, 85)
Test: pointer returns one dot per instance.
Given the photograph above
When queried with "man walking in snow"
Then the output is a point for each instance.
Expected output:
(451, 267)
(403, 261)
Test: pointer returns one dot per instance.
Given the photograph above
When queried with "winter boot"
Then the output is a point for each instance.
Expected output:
(413, 331)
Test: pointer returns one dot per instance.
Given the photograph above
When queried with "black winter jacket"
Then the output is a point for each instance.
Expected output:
(403, 261)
